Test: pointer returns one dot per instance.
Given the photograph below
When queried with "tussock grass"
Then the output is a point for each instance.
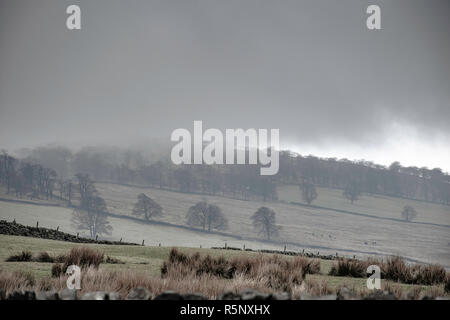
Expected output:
(393, 268)
(24, 256)
(277, 272)
(83, 257)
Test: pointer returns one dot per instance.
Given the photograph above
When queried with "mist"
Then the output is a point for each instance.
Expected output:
(138, 70)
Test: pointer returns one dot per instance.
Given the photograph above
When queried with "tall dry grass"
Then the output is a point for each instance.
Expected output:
(84, 257)
(393, 268)
(276, 272)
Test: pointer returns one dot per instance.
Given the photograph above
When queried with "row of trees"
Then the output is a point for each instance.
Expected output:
(244, 181)
(352, 191)
(395, 180)
(209, 216)
(33, 175)
(24, 178)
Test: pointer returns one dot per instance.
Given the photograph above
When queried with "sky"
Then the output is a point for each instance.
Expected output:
(139, 69)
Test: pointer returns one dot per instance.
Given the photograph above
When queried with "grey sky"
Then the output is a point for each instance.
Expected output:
(140, 69)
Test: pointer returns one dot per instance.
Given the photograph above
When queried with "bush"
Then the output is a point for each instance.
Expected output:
(24, 256)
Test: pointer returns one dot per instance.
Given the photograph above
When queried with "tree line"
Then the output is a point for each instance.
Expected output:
(242, 181)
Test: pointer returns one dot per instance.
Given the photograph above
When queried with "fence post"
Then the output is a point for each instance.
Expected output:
(244, 247)
(37, 224)
(120, 240)
(57, 228)
(284, 248)
(226, 245)
(96, 237)
(159, 244)
(142, 242)
(77, 235)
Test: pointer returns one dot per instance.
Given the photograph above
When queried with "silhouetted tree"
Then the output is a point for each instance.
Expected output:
(93, 217)
(91, 214)
(207, 216)
(147, 207)
(264, 222)
(309, 193)
(352, 191)
(409, 213)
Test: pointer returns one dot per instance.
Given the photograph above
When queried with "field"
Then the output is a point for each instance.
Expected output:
(370, 227)
(375, 230)
(146, 261)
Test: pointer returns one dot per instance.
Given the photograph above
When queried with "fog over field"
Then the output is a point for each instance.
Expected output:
(310, 68)
(88, 118)
(370, 231)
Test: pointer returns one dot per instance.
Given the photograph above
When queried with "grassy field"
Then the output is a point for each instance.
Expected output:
(317, 229)
(148, 260)
(371, 228)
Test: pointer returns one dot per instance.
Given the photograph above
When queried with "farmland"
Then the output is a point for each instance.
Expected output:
(370, 227)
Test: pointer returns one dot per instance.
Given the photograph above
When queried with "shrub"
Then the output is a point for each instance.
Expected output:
(24, 256)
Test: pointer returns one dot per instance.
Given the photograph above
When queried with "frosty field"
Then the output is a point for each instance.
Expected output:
(370, 227)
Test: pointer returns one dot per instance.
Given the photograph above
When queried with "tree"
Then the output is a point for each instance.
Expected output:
(147, 207)
(90, 215)
(352, 191)
(264, 222)
(93, 219)
(409, 213)
(207, 216)
(309, 193)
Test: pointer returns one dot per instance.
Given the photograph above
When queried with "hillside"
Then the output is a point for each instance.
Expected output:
(371, 226)
(377, 230)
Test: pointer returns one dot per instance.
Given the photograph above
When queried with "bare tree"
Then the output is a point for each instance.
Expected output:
(8, 164)
(90, 215)
(264, 222)
(147, 207)
(207, 216)
(93, 218)
(309, 193)
(409, 213)
(352, 191)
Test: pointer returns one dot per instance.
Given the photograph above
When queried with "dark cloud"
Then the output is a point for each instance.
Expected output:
(140, 69)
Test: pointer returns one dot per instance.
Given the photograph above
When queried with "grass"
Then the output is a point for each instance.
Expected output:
(392, 268)
(303, 227)
(142, 267)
